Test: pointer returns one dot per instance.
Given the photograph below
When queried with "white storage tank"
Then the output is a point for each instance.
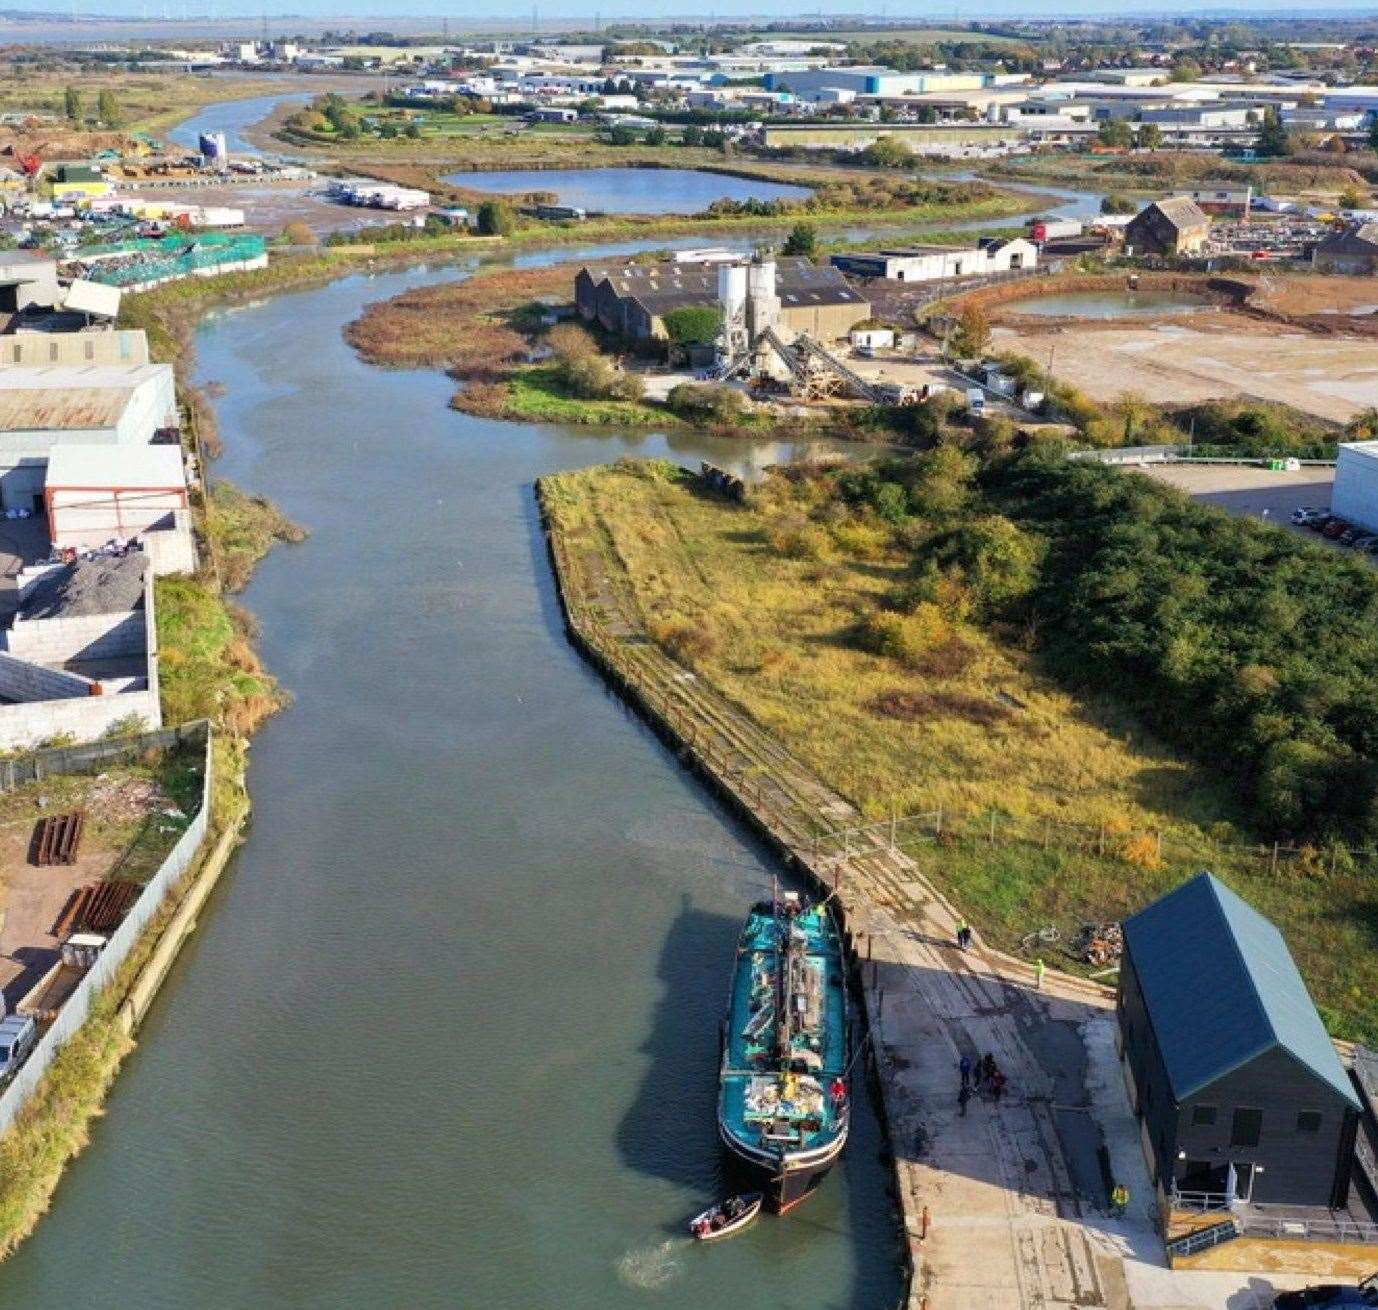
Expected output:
(732, 289)
(1356, 484)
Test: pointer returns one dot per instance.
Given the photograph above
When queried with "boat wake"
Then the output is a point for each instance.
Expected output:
(650, 1267)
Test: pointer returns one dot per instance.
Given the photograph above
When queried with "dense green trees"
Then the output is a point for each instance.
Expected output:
(1248, 647)
(109, 110)
(1245, 645)
(1273, 138)
(693, 324)
(495, 219)
(802, 240)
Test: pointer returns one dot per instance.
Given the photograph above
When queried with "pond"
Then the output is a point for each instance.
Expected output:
(631, 190)
(1108, 304)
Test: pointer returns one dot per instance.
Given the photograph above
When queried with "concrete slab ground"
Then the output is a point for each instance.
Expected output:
(1017, 1189)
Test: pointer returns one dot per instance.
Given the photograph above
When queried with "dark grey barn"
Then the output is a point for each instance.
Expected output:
(1237, 1084)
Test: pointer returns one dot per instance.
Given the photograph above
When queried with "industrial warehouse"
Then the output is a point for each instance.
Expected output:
(633, 299)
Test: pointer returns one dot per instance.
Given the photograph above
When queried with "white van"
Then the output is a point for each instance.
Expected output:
(976, 402)
(18, 1033)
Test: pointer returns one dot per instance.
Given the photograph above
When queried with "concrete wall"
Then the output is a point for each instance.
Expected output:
(91, 518)
(87, 636)
(21, 680)
(43, 349)
(172, 550)
(85, 719)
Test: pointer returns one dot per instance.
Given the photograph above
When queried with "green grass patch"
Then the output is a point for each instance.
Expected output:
(535, 393)
(208, 668)
(242, 529)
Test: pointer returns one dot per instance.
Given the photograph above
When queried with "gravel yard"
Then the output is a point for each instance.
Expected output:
(1216, 356)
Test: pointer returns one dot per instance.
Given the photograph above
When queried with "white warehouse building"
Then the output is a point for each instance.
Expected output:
(1355, 497)
(95, 405)
(98, 493)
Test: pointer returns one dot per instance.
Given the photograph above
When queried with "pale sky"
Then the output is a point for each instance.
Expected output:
(554, 12)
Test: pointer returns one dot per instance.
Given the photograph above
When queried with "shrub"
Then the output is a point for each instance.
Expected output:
(570, 341)
(707, 403)
(797, 538)
(496, 219)
(693, 324)
(905, 638)
(687, 641)
(298, 234)
(593, 378)
(887, 152)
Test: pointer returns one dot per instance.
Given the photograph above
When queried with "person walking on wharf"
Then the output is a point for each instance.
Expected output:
(1040, 969)
(964, 1068)
(963, 935)
(1119, 1200)
(963, 1096)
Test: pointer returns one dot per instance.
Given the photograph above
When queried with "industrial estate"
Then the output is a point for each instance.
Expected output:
(988, 524)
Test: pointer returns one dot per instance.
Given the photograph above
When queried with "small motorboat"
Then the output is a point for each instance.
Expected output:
(731, 1216)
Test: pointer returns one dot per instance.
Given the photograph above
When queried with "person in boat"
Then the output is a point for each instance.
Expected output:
(734, 1207)
(838, 1091)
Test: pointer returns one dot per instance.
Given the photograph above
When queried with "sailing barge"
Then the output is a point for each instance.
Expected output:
(783, 1097)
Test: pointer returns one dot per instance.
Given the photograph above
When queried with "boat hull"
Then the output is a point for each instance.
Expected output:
(783, 1188)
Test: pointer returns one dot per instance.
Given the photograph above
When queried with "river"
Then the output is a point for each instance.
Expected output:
(447, 1032)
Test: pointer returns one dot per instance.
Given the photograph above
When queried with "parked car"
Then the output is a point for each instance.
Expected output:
(1367, 542)
(1318, 523)
(1323, 1296)
(1349, 536)
(18, 1033)
(1335, 529)
(1306, 514)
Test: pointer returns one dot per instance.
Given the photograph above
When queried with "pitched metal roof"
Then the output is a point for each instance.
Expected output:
(1181, 211)
(1221, 988)
(1361, 239)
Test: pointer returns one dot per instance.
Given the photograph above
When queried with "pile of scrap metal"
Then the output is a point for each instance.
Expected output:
(1099, 943)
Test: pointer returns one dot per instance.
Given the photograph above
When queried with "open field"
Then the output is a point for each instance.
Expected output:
(763, 606)
(1206, 356)
(151, 102)
(1159, 172)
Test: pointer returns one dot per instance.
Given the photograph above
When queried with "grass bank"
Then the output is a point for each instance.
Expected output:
(785, 605)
